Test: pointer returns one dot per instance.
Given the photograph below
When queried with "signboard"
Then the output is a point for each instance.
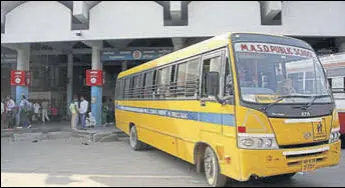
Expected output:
(18, 78)
(94, 77)
(273, 49)
(133, 54)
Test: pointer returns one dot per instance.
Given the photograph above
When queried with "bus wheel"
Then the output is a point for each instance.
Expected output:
(212, 170)
(133, 140)
(342, 137)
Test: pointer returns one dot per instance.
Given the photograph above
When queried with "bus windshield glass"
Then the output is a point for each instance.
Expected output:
(269, 71)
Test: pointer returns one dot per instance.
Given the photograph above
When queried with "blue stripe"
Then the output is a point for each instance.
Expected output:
(215, 118)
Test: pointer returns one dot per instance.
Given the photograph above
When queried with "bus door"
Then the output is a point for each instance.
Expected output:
(214, 115)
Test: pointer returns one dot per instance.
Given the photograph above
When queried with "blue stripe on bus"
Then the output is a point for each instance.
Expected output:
(215, 118)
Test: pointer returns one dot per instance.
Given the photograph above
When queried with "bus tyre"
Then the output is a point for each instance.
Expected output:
(212, 171)
(136, 145)
(342, 137)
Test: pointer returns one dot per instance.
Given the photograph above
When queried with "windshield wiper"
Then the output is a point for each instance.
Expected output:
(305, 107)
(281, 98)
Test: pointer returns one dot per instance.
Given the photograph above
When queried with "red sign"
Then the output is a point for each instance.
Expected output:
(18, 78)
(94, 77)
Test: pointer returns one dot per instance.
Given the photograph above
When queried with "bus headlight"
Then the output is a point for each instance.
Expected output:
(335, 135)
(257, 141)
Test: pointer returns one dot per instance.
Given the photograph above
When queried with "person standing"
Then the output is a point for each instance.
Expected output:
(73, 107)
(110, 114)
(45, 111)
(2, 107)
(10, 112)
(25, 108)
(2, 114)
(36, 110)
(84, 104)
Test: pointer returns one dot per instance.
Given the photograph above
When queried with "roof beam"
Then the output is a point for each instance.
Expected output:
(81, 11)
(271, 9)
(176, 10)
(94, 44)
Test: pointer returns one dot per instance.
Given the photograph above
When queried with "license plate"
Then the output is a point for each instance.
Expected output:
(308, 165)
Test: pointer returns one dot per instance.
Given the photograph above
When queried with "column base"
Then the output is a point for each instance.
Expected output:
(96, 104)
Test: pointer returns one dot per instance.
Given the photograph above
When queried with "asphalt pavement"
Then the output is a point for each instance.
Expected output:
(72, 162)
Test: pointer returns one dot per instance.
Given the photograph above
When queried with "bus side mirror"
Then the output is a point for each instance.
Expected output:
(212, 83)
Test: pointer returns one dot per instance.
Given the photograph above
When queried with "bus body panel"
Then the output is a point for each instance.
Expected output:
(178, 126)
(273, 162)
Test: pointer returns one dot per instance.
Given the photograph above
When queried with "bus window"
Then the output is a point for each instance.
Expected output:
(172, 86)
(136, 86)
(228, 84)
(181, 79)
(148, 85)
(192, 77)
(210, 65)
(126, 88)
(118, 89)
(163, 82)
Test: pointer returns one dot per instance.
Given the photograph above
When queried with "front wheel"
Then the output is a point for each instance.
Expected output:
(212, 171)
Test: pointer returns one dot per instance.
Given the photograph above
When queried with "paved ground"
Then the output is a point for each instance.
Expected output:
(67, 162)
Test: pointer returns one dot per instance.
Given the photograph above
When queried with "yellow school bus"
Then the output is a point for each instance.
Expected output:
(235, 106)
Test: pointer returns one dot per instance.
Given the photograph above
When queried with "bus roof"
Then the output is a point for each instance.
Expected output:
(210, 44)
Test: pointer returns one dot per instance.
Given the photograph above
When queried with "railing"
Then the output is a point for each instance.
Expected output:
(185, 89)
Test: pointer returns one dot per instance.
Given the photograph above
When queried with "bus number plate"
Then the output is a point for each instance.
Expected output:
(308, 165)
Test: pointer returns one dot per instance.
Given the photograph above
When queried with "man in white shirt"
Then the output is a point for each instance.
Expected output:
(45, 106)
(36, 110)
(10, 108)
(82, 111)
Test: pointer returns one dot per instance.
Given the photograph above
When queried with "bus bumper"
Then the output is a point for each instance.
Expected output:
(265, 163)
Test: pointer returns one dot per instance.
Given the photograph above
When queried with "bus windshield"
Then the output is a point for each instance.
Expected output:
(269, 71)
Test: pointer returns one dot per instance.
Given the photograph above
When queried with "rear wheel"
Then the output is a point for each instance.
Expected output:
(212, 170)
(342, 137)
(134, 141)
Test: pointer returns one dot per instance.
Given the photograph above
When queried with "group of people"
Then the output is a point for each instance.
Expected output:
(78, 111)
(22, 114)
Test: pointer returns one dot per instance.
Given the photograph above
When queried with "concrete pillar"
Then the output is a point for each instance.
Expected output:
(340, 44)
(23, 60)
(13, 89)
(124, 66)
(69, 80)
(178, 43)
(96, 91)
